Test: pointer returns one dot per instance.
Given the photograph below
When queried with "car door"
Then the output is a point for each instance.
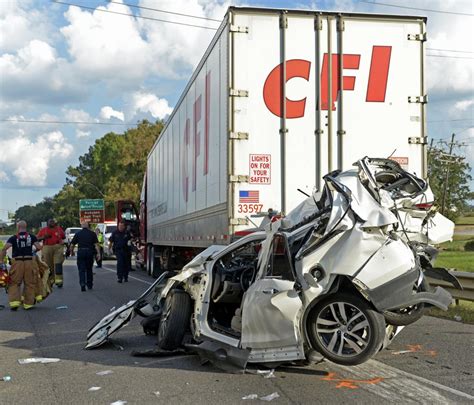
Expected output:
(271, 305)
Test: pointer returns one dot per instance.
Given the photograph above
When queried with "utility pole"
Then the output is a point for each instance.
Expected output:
(445, 188)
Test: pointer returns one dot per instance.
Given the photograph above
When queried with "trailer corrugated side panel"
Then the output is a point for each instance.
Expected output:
(376, 60)
(187, 168)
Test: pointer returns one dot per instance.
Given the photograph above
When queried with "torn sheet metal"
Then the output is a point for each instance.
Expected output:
(227, 358)
(295, 289)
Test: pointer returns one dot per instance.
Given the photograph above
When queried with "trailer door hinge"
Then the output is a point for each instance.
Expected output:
(238, 178)
(239, 221)
(418, 99)
(283, 20)
(417, 37)
(318, 23)
(340, 24)
(239, 135)
(418, 140)
(238, 93)
(239, 29)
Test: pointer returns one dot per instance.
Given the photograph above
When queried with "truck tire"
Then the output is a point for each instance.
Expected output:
(174, 320)
(345, 329)
(153, 263)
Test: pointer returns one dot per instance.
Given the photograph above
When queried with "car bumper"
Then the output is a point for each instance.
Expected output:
(400, 293)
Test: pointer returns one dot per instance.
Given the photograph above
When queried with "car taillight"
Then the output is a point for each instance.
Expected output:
(424, 206)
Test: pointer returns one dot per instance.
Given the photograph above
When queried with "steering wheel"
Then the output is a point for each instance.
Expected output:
(246, 277)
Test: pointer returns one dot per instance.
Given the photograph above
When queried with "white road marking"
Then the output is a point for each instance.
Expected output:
(129, 276)
(399, 385)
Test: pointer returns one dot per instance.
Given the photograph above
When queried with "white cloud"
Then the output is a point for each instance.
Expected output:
(82, 134)
(150, 103)
(29, 161)
(20, 23)
(76, 115)
(124, 50)
(463, 105)
(3, 177)
(36, 73)
(176, 49)
(108, 112)
(106, 46)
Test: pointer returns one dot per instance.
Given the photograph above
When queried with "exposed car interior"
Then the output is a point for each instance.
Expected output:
(232, 276)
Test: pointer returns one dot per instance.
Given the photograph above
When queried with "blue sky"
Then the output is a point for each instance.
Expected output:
(62, 63)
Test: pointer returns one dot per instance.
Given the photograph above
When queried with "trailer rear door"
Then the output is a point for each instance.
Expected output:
(279, 147)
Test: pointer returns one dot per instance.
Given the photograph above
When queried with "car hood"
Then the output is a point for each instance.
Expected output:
(118, 318)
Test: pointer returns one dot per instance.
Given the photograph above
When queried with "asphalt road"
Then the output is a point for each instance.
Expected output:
(430, 362)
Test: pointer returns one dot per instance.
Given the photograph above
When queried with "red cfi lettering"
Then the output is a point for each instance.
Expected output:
(376, 86)
(184, 162)
(272, 88)
(206, 123)
(348, 82)
(197, 139)
(378, 75)
(197, 115)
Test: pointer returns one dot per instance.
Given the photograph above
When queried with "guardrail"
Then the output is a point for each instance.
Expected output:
(465, 278)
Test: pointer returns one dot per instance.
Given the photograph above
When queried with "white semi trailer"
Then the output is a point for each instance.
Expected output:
(280, 98)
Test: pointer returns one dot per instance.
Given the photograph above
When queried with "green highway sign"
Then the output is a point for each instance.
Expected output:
(86, 205)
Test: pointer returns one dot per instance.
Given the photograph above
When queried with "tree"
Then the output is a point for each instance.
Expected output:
(36, 214)
(112, 169)
(457, 188)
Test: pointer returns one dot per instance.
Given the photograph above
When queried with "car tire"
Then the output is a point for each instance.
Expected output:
(174, 320)
(405, 316)
(345, 329)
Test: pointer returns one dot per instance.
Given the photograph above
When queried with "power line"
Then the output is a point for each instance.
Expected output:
(63, 122)
(133, 15)
(459, 119)
(449, 56)
(165, 11)
(416, 8)
(448, 50)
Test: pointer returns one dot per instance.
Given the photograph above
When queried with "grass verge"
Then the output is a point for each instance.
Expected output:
(465, 220)
(465, 310)
(459, 260)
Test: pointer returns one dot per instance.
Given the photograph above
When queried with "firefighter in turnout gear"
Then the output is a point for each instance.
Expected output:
(53, 251)
(23, 270)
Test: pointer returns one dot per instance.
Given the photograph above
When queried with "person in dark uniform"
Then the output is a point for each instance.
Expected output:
(23, 270)
(121, 243)
(88, 244)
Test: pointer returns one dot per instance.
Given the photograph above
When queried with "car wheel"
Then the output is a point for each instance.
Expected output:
(345, 329)
(405, 316)
(174, 320)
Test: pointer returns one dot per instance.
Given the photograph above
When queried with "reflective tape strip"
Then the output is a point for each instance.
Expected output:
(15, 304)
(27, 306)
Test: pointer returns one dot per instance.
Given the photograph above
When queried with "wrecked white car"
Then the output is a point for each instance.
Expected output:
(340, 275)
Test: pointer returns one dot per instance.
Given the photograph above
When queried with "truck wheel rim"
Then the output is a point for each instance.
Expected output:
(343, 329)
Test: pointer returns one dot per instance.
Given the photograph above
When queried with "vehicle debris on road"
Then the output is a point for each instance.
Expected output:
(43, 360)
(92, 389)
(105, 372)
(6, 378)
